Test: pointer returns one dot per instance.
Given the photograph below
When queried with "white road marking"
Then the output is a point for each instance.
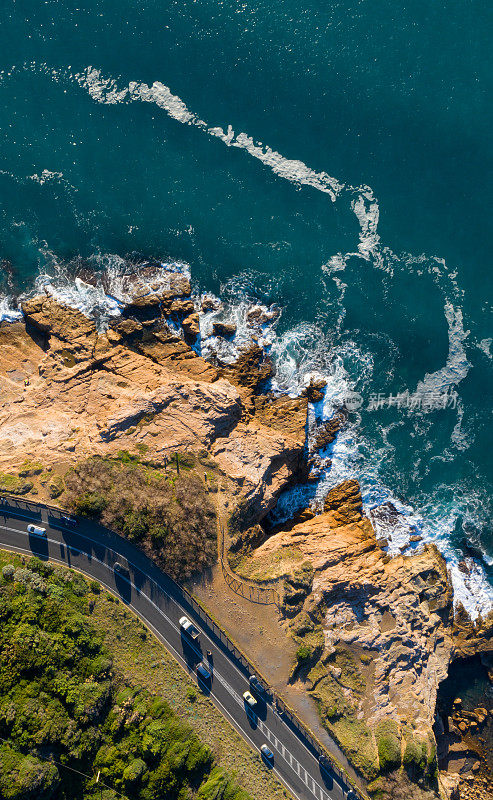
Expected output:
(283, 751)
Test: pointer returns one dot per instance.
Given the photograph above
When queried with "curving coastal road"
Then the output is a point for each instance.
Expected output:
(160, 603)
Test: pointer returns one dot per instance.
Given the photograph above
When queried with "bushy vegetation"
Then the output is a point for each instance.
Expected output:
(12, 484)
(389, 745)
(64, 711)
(172, 518)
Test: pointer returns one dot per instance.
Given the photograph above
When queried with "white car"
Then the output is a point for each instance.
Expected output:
(37, 531)
(188, 628)
(249, 699)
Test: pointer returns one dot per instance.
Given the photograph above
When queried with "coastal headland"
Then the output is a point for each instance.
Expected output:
(370, 638)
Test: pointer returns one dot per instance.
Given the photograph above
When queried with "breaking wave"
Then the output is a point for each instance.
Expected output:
(303, 351)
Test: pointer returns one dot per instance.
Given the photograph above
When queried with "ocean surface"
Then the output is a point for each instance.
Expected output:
(332, 158)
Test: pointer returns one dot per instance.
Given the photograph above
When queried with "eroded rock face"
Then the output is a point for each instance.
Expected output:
(377, 631)
(140, 384)
(251, 369)
(315, 390)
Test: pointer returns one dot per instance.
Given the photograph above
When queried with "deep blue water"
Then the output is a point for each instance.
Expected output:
(392, 97)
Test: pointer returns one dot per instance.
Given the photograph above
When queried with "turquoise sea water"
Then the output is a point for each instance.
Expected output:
(334, 158)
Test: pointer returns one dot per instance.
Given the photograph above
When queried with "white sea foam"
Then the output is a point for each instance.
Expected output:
(45, 176)
(106, 90)
(114, 282)
(485, 346)
(254, 324)
(8, 311)
(91, 300)
(297, 355)
(457, 365)
(367, 211)
(297, 358)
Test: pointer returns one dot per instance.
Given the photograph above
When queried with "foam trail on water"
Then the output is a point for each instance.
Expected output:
(457, 365)
(106, 90)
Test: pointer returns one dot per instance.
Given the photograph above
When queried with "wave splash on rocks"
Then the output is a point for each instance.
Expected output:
(304, 361)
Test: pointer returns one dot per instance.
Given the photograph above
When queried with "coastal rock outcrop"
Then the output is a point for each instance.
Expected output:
(374, 633)
(72, 391)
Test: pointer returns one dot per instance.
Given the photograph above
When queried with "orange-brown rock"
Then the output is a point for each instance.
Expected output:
(66, 325)
(191, 327)
(396, 614)
(137, 384)
(251, 369)
(314, 390)
(226, 329)
(345, 502)
(284, 414)
(326, 433)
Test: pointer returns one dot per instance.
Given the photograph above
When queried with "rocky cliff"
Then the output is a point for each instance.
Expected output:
(71, 391)
(375, 634)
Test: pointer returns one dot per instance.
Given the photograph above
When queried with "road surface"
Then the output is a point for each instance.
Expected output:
(160, 603)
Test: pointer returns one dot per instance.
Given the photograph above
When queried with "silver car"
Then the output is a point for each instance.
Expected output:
(267, 753)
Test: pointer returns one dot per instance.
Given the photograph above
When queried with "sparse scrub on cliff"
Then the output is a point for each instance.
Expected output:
(356, 739)
(11, 484)
(303, 653)
(415, 756)
(397, 786)
(388, 739)
(56, 487)
(30, 468)
(173, 520)
(297, 587)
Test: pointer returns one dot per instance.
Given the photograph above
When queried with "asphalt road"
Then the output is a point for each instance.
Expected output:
(160, 604)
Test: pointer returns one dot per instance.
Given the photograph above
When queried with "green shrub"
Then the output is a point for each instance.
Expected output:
(90, 504)
(30, 468)
(56, 487)
(11, 484)
(303, 653)
(59, 696)
(389, 745)
(134, 772)
(415, 753)
(191, 694)
(23, 777)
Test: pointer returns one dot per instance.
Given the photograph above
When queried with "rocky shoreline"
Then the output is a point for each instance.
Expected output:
(376, 635)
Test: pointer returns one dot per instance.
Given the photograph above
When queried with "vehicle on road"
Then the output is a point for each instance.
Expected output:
(203, 672)
(267, 753)
(121, 569)
(188, 628)
(249, 699)
(324, 763)
(256, 686)
(352, 796)
(68, 520)
(37, 531)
